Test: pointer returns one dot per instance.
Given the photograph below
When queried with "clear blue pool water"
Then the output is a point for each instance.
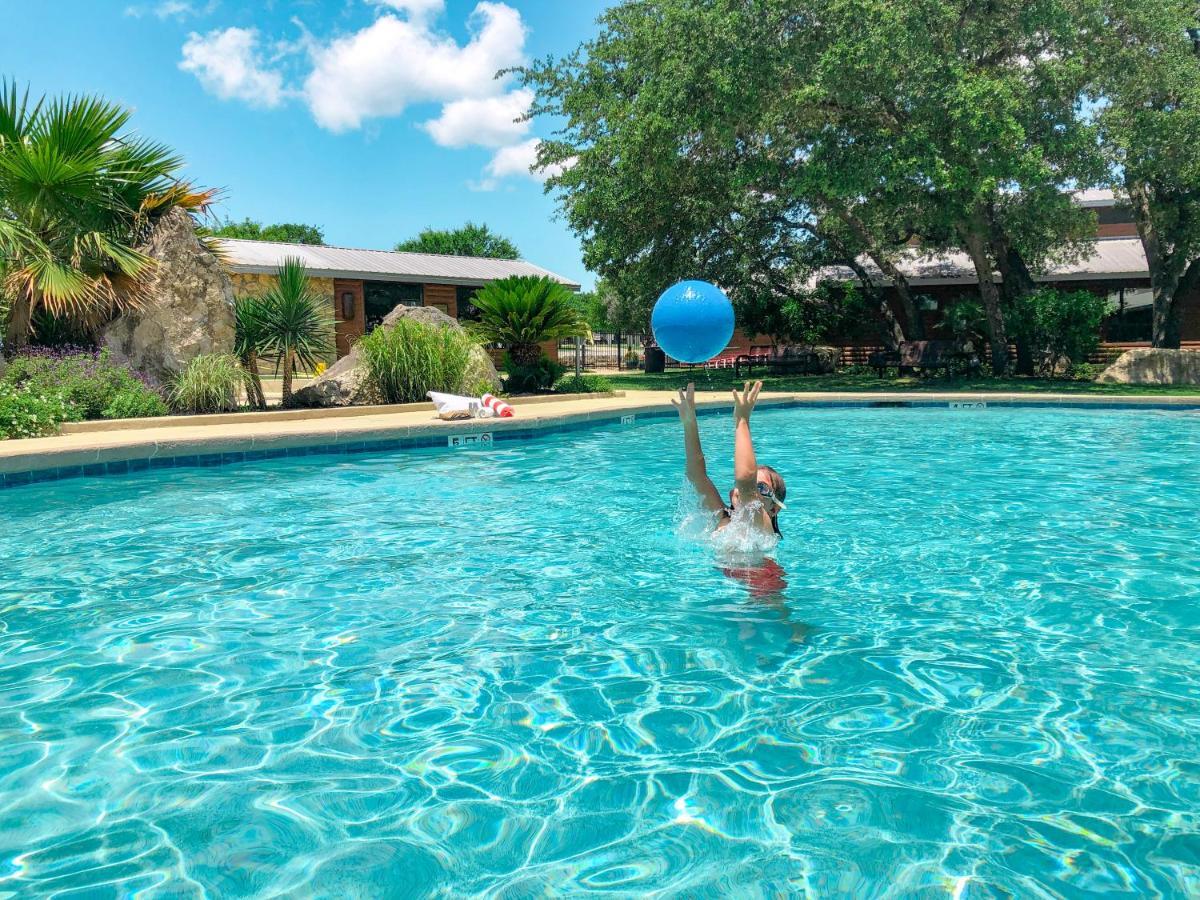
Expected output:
(975, 671)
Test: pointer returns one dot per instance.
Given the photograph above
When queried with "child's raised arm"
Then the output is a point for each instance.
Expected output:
(745, 465)
(697, 469)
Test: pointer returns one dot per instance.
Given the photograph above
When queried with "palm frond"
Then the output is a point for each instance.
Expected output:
(526, 310)
(296, 318)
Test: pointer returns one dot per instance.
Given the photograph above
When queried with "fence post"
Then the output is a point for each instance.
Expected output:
(578, 356)
(620, 356)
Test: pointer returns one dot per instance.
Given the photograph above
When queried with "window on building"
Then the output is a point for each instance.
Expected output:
(381, 297)
(467, 311)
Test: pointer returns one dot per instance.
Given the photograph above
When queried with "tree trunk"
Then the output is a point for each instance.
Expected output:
(989, 293)
(525, 354)
(892, 333)
(1164, 270)
(1018, 283)
(1164, 327)
(258, 399)
(20, 319)
(287, 378)
(915, 326)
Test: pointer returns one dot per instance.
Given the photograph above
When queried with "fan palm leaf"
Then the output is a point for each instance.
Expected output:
(76, 198)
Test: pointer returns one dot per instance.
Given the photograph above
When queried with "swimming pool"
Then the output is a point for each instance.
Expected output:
(974, 668)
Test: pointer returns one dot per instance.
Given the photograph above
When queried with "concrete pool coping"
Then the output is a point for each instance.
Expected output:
(237, 438)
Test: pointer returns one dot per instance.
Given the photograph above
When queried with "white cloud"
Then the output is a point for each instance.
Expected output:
(167, 9)
(519, 161)
(416, 9)
(398, 60)
(229, 65)
(485, 121)
(394, 62)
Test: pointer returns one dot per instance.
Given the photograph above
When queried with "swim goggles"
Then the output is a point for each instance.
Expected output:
(765, 490)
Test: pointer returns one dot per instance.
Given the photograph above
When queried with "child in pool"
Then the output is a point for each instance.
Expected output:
(752, 483)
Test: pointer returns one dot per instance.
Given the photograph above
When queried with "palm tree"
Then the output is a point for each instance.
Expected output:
(523, 311)
(76, 197)
(297, 323)
(249, 340)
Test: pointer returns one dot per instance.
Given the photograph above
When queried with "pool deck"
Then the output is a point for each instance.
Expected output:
(93, 448)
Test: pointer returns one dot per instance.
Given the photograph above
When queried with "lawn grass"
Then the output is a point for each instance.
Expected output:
(723, 379)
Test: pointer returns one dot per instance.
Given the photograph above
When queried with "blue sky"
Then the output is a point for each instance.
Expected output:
(370, 118)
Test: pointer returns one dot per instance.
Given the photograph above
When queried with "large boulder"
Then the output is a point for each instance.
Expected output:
(810, 360)
(344, 383)
(1151, 366)
(189, 310)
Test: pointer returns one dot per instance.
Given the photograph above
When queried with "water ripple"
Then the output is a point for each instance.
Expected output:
(972, 670)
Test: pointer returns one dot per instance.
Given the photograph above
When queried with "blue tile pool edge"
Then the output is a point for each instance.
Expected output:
(208, 460)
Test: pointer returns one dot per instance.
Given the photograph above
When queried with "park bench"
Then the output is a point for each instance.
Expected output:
(789, 361)
(924, 356)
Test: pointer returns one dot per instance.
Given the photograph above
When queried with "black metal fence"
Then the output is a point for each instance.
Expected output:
(606, 350)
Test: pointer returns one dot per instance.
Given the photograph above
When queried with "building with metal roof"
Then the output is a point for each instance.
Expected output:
(265, 257)
(363, 286)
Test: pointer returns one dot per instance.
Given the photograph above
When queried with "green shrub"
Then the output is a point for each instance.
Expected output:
(523, 311)
(533, 378)
(583, 384)
(207, 384)
(26, 414)
(409, 359)
(480, 386)
(1084, 371)
(136, 403)
(1058, 325)
(88, 380)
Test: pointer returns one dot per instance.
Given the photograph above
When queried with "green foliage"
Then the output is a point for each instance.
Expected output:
(1148, 81)
(77, 195)
(26, 414)
(407, 360)
(601, 307)
(583, 384)
(135, 403)
(1059, 325)
(281, 232)
(966, 320)
(1084, 371)
(208, 384)
(250, 339)
(293, 322)
(522, 312)
(469, 240)
(531, 378)
(685, 122)
(59, 331)
(88, 381)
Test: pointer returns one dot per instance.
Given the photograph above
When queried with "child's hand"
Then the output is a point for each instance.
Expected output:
(743, 403)
(686, 404)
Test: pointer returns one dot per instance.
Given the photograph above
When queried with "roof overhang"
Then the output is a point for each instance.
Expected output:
(380, 276)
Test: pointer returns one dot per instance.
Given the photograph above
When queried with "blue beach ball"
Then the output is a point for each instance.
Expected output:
(692, 321)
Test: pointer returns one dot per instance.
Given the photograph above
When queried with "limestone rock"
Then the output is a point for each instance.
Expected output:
(1151, 366)
(814, 360)
(189, 310)
(343, 384)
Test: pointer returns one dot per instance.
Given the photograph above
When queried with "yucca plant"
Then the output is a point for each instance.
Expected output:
(248, 342)
(297, 323)
(524, 311)
(76, 198)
